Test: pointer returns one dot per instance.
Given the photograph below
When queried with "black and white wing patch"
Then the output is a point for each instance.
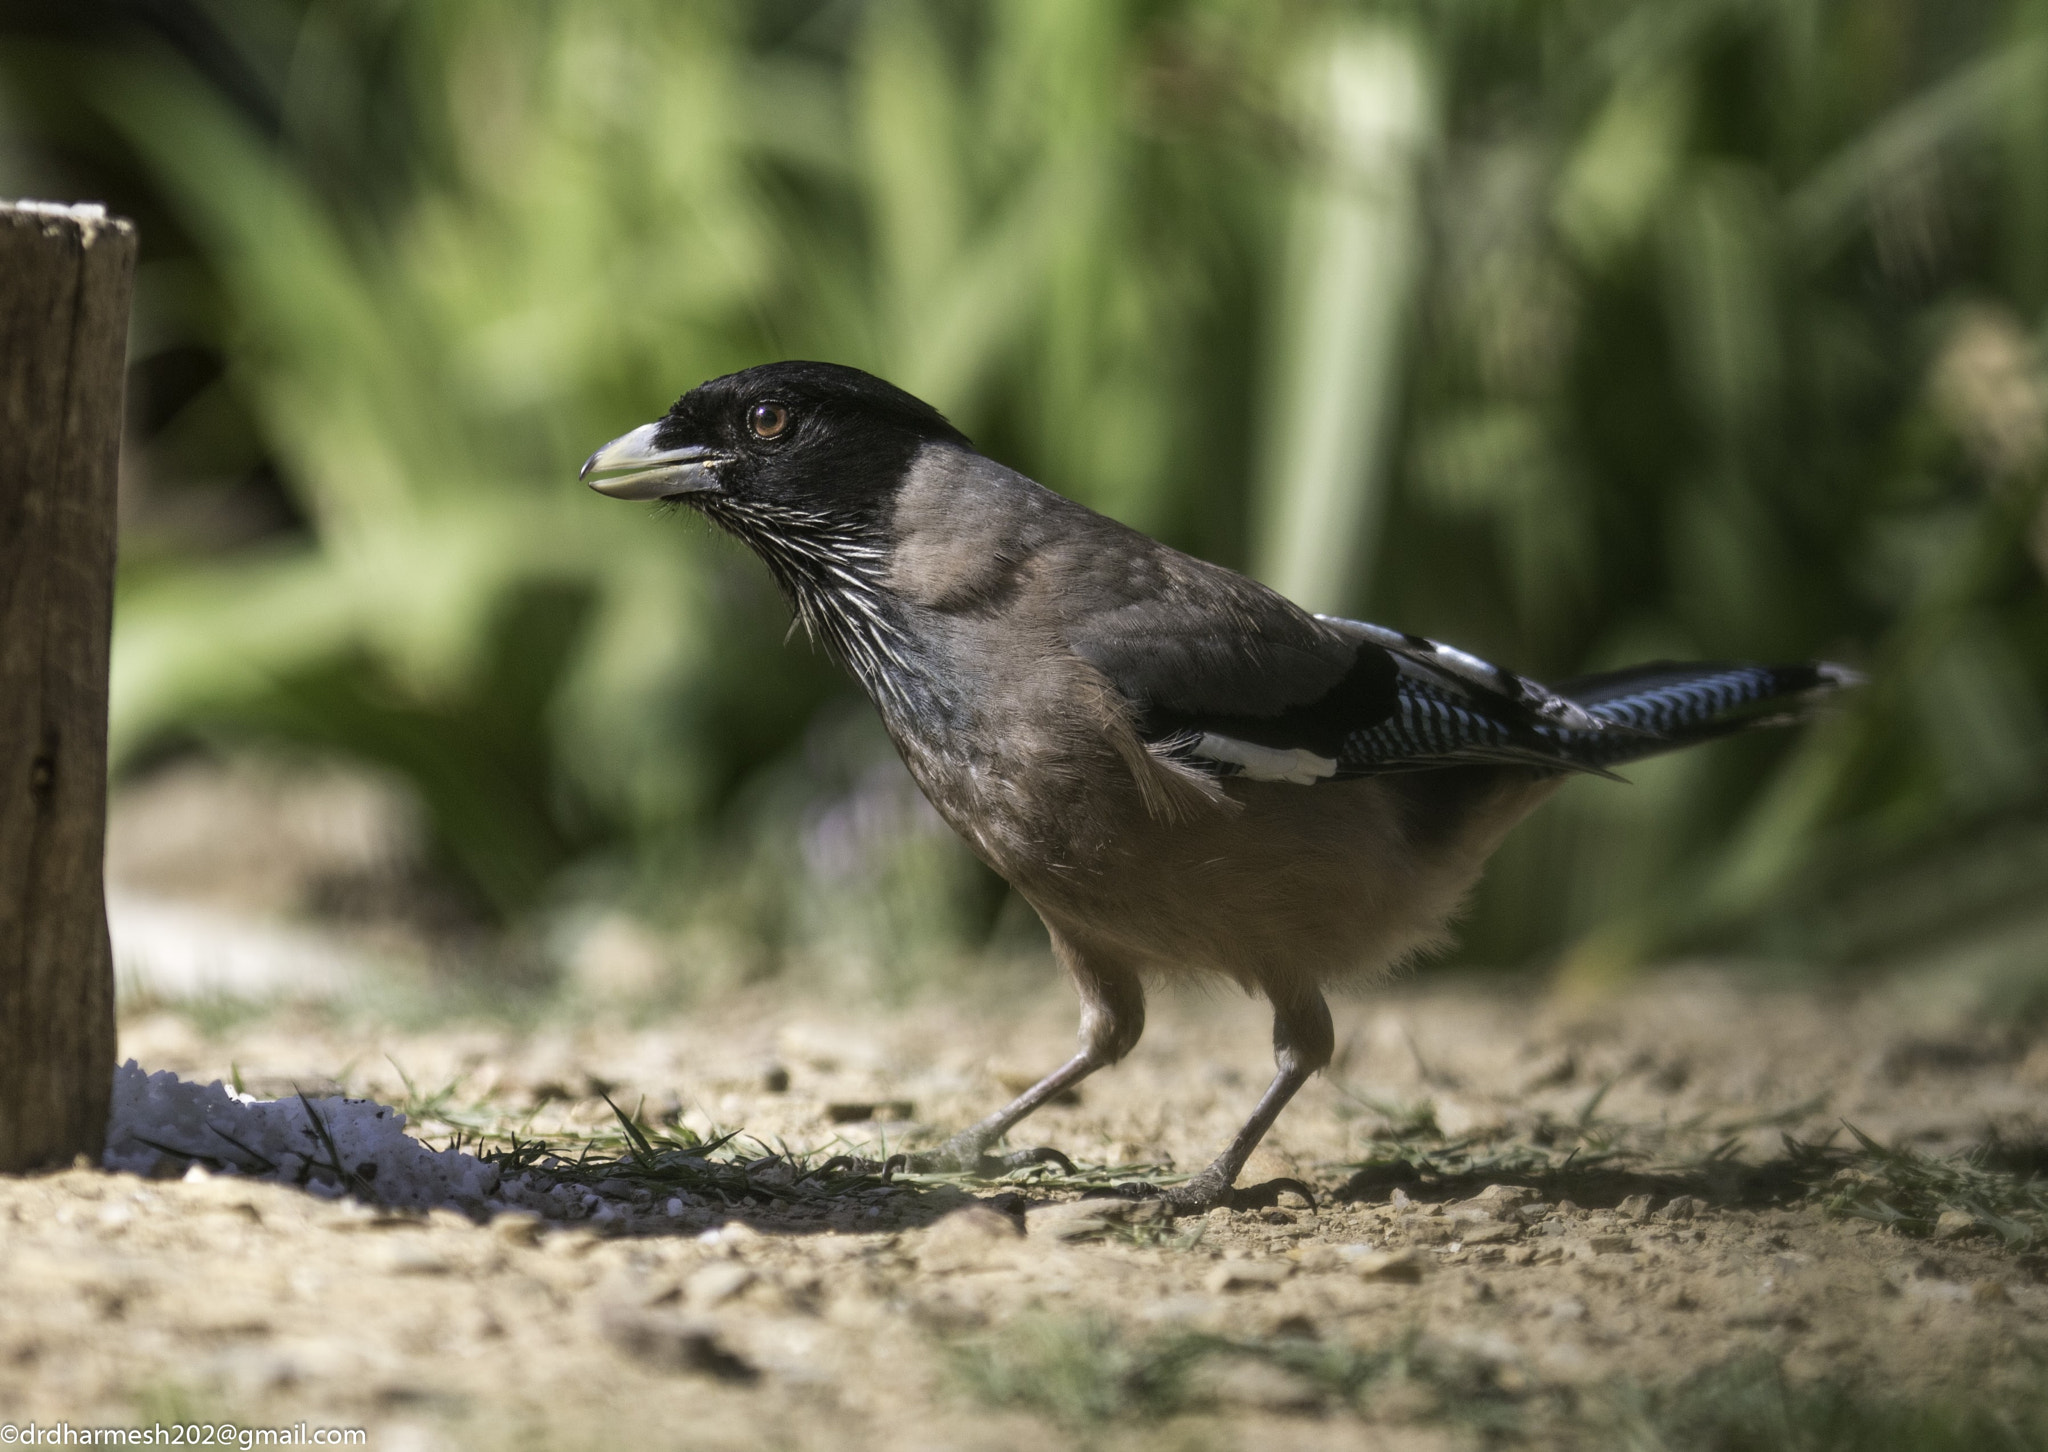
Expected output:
(1452, 708)
(1454, 672)
(1385, 702)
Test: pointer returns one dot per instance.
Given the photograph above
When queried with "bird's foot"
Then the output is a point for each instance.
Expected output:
(968, 1154)
(1209, 1190)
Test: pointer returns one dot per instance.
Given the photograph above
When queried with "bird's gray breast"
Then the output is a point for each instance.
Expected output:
(1009, 746)
(1015, 744)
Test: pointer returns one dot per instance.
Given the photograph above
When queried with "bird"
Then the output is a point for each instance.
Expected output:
(1185, 774)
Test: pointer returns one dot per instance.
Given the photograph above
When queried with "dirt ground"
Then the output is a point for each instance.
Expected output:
(1568, 1207)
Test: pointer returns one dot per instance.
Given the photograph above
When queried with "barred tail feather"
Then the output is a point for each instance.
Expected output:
(1667, 704)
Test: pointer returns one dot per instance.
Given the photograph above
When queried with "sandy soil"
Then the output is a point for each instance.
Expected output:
(1402, 1311)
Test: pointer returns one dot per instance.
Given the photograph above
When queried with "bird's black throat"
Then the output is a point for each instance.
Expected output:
(815, 498)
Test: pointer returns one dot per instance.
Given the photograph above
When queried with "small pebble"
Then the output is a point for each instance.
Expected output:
(1401, 1267)
(1953, 1223)
(517, 1227)
(716, 1283)
(1248, 1275)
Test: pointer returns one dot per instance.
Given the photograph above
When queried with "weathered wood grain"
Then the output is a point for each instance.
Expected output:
(66, 276)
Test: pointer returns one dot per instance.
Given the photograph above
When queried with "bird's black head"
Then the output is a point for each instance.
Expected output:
(803, 462)
(775, 442)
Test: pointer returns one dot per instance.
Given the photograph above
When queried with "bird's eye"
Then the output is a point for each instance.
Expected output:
(768, 419)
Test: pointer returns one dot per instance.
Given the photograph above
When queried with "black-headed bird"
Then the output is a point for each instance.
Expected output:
(1183, 772)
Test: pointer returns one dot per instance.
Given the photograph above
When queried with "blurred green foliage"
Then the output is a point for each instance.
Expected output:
(1572, 333)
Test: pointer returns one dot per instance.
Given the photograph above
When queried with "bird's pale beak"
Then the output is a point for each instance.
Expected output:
(632, 467)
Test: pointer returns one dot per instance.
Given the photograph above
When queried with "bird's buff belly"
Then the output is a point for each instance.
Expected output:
(1277, 885)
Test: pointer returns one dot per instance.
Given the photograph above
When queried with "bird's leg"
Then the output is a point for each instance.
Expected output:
(1303, 1042)
(1112, 1018)
(966, 1149)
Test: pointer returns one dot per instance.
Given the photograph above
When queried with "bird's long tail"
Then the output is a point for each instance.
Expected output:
(1666, 704)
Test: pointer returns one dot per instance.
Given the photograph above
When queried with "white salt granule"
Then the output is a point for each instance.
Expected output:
(340, 1145)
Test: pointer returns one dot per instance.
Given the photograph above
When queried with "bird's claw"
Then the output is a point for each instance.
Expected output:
(1043, 1154)
(957, 1158)
(1266, 1194)
(860, 1165)
(1206, 1192)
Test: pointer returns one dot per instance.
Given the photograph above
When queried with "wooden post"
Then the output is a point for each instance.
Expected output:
(66, 275)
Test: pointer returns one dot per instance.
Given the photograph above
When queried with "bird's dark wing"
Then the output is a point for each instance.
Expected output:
(1225, 675)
